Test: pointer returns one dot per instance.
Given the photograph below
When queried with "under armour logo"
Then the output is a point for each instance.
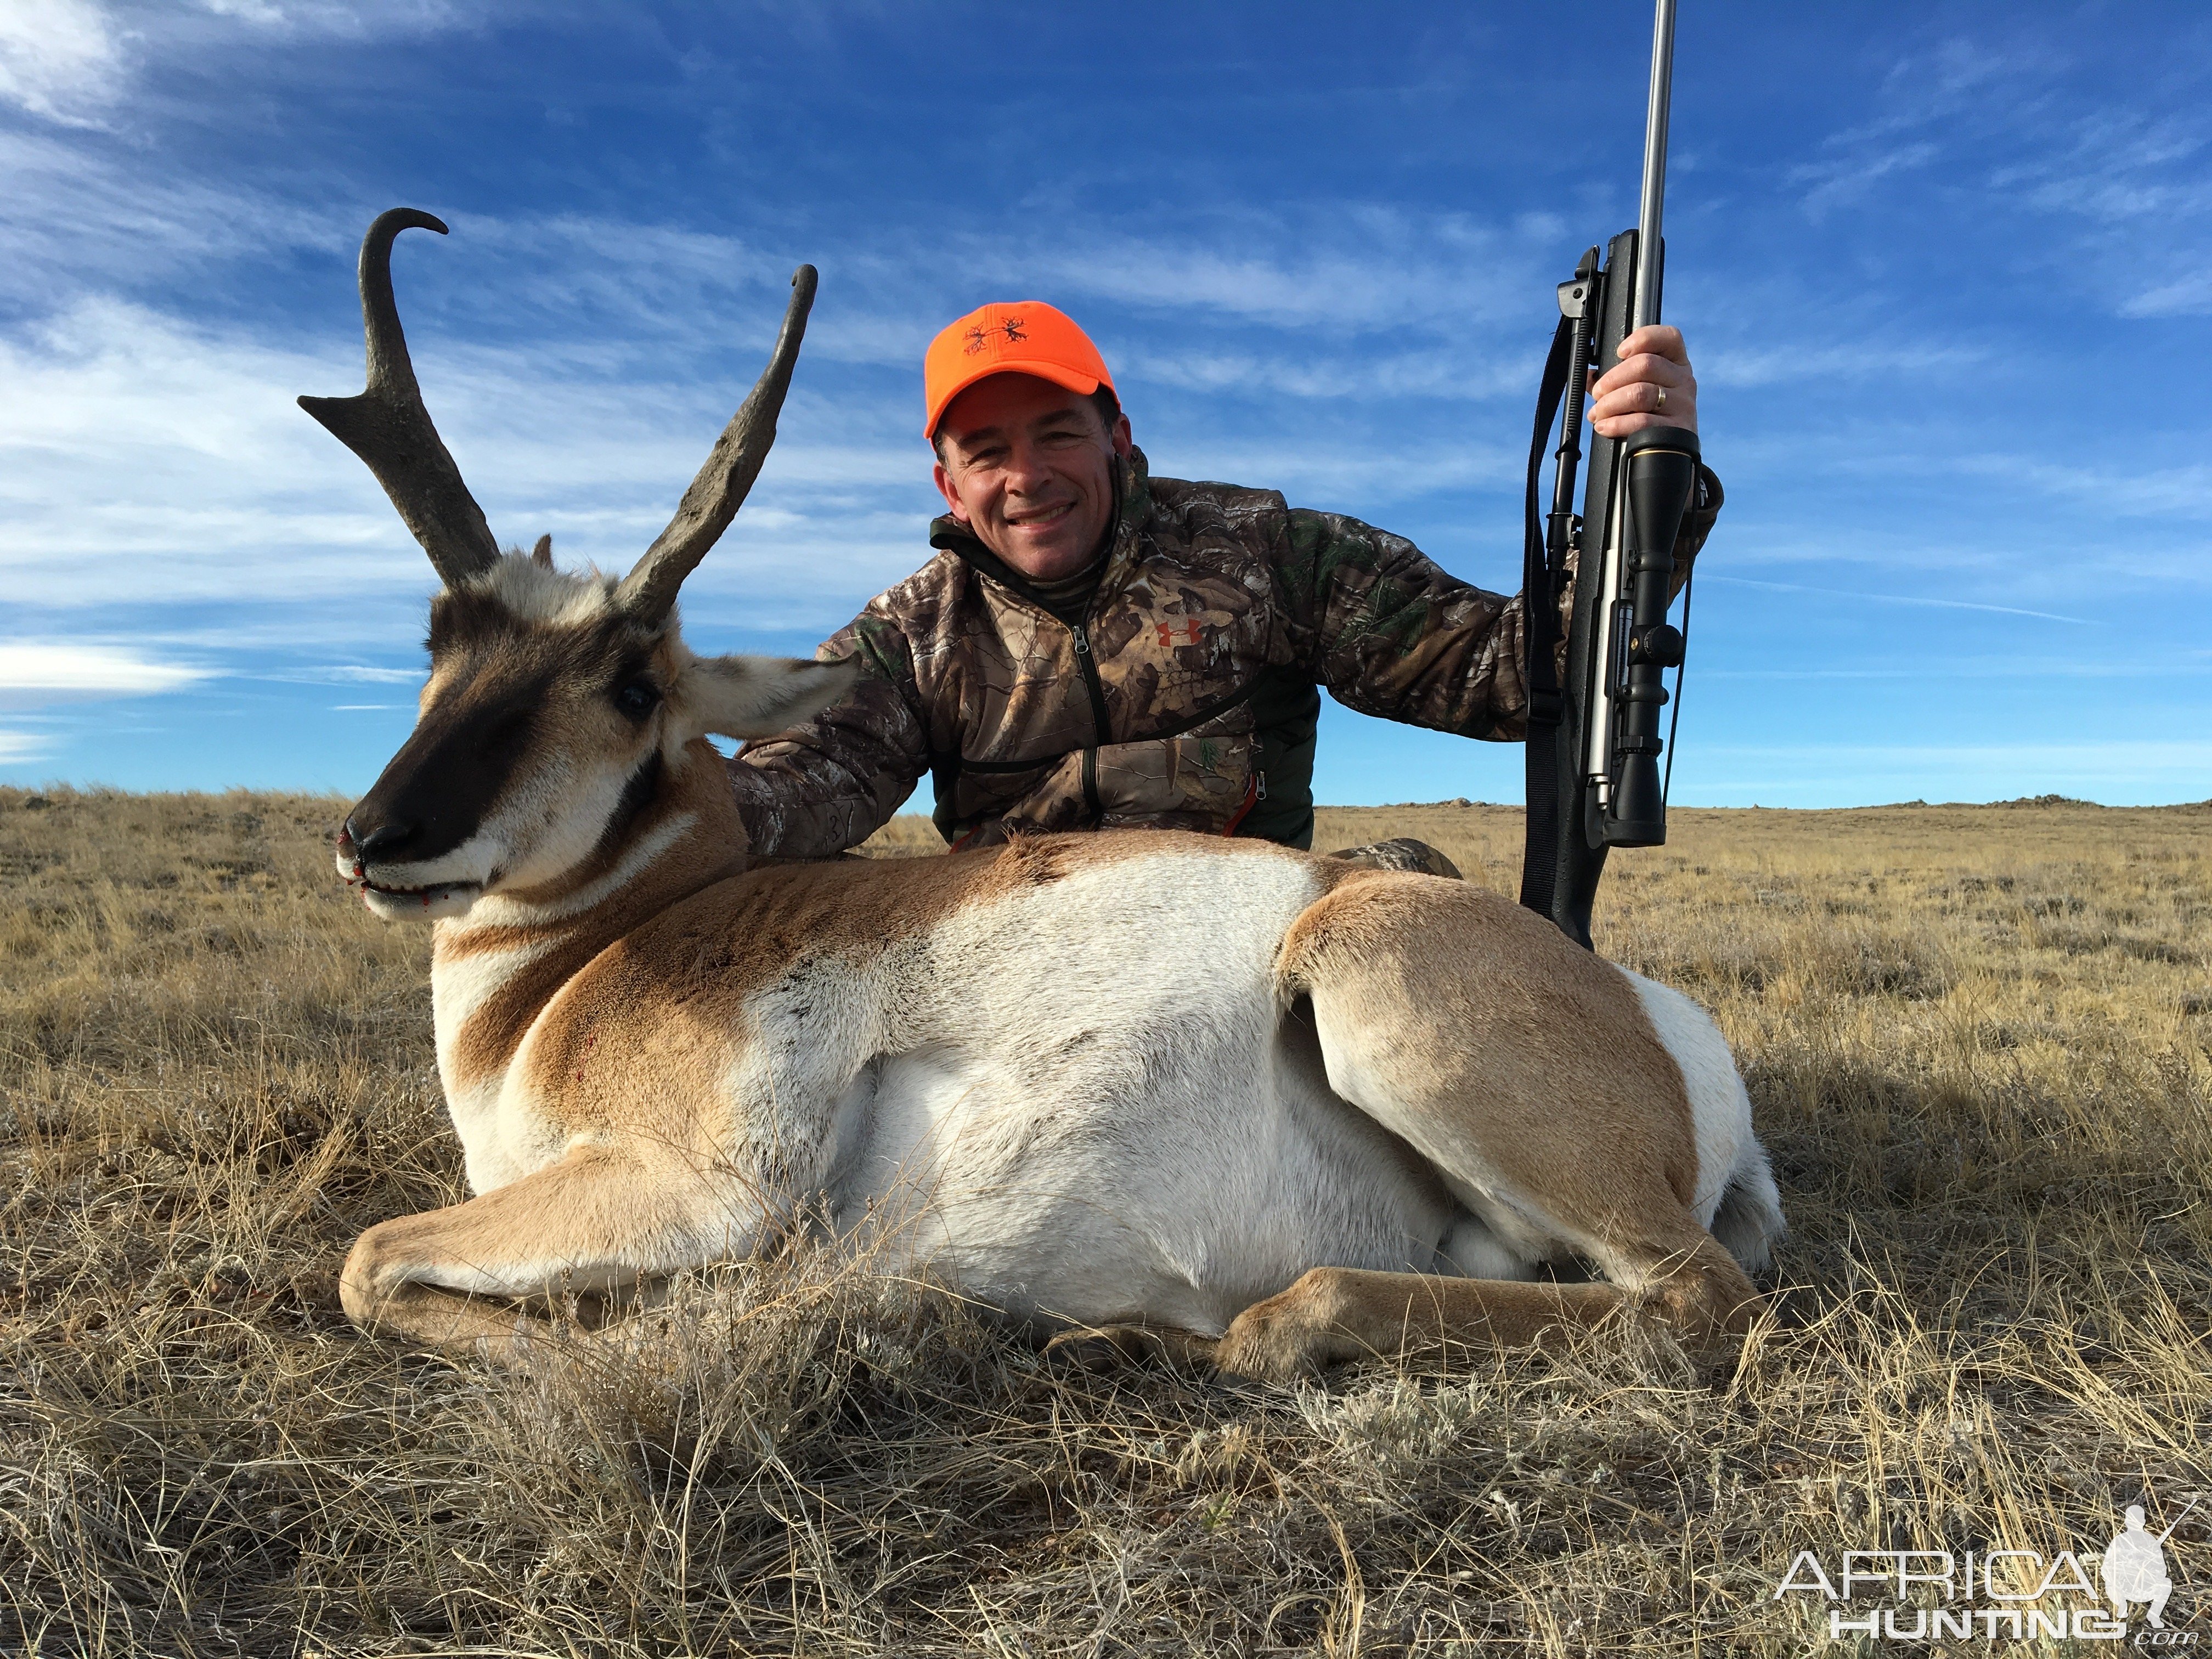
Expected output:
(982, 334)
(1189, 630)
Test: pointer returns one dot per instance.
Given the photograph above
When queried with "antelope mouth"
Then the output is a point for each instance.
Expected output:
(435, 892)
(395, 899)
(395, 903)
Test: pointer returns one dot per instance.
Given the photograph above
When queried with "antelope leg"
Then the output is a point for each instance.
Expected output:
(599, 1220)
(1335, 1313)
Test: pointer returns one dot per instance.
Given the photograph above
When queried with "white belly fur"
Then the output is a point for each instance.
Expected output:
(1099, 1113)
(1181, 1207)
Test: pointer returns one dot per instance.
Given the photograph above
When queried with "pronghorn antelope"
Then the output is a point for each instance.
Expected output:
(1274, 1107)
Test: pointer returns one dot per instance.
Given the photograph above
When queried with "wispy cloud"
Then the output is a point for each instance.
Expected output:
(81, 218)
(149, 459)
(72, 62)
(59, 60)
(2184, 296)
(1781, 363)
(2181, 492)
(1900, 599)
(1929, 85)
(37, 673)
(1321, 267)
(354, 672)
(1852, 176)
(18, 746)
(2122, 188)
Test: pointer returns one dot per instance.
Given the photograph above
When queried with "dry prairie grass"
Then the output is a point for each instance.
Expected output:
(1976, 1038)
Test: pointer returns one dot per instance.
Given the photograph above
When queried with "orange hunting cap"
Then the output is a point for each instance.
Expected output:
(1024, 337)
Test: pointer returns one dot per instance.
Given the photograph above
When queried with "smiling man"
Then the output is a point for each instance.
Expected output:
(1093, 647)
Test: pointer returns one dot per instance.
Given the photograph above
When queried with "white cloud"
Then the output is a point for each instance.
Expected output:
(59, 60)
(73, 62)
(343, 19)
(1898, 598)
(1439, 268)
(1461, 371)
(23, 746)
(2184, 296)
(36, 673)
(353, 673)
(1849, 178)
(1333, 474)
(2178, 492)
(1822, 366)
(142, 459)
(79, 218)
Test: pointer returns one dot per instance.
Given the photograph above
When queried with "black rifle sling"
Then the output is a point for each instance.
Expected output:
(1540, 628)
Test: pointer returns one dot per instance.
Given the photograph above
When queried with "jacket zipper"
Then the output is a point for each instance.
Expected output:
(1254, 792)
(1083, 661)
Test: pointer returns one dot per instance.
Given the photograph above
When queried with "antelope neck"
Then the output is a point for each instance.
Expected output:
(493, 970)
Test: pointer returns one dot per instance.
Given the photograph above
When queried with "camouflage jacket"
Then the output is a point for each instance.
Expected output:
(1186, 699)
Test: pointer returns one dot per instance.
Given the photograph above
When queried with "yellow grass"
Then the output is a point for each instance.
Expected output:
(1976, 1038)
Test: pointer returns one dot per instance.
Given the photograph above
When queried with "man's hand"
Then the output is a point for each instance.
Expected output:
(1650, 386)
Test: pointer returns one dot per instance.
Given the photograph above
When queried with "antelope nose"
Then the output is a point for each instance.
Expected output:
(381, 841)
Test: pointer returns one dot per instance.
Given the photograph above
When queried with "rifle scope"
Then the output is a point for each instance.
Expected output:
(1593, 742)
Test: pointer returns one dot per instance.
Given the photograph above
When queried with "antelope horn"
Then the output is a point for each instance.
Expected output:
(648, 592)
(390, 429)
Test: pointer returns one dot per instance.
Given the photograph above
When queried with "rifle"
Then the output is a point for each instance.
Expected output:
(1594, 744)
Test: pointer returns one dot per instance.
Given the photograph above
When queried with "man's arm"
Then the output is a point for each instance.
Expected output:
(830, 784)
(1390, 633)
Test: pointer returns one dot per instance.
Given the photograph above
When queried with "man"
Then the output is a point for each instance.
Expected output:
(1094, 648)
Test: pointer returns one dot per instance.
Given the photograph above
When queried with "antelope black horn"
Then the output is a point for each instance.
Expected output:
(648, 592)
(390, 429)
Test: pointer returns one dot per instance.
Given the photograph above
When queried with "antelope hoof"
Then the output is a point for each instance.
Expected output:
(383, 1303)
(1112, 1346)
(367, 1282)
(1294, 1334)
(1710, 1321)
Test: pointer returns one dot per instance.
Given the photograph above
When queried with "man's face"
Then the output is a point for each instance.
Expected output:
(1028, 466)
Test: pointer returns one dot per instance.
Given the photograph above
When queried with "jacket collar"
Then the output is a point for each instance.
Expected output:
(948, 534)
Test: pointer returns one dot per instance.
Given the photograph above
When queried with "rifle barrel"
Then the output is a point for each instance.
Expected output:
(1648, 247)
(2178, 1519)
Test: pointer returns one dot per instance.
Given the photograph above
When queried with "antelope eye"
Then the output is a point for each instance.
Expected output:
(637, 698)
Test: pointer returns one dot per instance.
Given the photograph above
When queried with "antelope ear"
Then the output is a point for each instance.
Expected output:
(758, 696)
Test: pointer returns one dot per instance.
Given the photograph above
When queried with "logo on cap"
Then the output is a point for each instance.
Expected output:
(980, 336)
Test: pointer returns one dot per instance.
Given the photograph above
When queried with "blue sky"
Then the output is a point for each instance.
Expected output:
(1945, 273)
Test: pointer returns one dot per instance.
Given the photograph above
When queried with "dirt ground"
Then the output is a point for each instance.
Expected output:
(1976, 1038)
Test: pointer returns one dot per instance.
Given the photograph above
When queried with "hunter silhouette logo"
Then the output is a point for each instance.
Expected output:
(982, 334)
(2134, 1567)
(2000, 1594)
